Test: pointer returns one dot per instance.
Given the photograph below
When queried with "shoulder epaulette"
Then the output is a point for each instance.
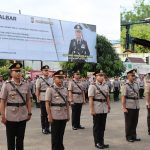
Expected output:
(7, 81)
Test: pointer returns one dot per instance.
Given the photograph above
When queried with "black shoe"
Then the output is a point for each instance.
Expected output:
(148, 133)
(44, 131)
(81, 127)
(137, 139)
(74, 128)
(48, 131)
(99, 146)
(106, 145)
(130, 140)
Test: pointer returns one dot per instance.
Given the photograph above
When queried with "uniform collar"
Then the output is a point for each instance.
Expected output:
(130, 82)
(45, 77)
(16, 83)
(100, 83)
(57, 87)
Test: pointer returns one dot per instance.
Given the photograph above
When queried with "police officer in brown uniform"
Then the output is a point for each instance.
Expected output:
(99, 107)
(76, 98)
(130, 106)
(147, 98)
(15, 108)
(57, 107)
(42, 84)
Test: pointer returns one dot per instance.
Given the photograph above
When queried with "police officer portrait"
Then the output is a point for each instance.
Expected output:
(78, 49)
(15, 107)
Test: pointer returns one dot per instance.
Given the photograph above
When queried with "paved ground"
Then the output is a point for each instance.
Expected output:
(83, 139)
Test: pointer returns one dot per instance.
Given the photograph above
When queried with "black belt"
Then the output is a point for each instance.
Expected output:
(99, 100)
(134, 98)
(16, 104)
(76, 93)
(60, 104)
(42, 90)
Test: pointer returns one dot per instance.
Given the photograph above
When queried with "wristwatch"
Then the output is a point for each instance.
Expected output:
(29, 114)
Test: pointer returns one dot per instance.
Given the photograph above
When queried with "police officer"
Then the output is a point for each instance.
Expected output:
(1, 83)
(76, 98)
(16, 108)
(57, 107)
(130, 106)
(42, 84)
(147, 98)
(99, 107)
(116, 88)
(78, 49)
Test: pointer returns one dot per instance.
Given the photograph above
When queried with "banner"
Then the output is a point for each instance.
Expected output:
(25, 37)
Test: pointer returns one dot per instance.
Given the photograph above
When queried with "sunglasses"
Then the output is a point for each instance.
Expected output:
(132, 75)
(46, 70)
(60, 77)
(17, 71)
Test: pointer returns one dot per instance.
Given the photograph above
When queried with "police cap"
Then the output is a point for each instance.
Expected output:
(15, 66)
(46, 67)
(98, 72)
(78, 27)
(59, 73)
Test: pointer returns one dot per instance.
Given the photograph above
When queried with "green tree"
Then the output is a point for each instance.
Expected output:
(107, 60)
(140, 11)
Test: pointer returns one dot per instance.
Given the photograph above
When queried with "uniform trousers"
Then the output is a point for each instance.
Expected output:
(99, 123)
(148, 119)
(116, 93)
(15, 132)
(44, 119)
(76, 113)
(131, 121)
(57, 133)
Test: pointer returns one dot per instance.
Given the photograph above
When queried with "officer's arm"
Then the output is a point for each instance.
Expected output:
(87, 50)
(68, 107)
(48, 98)
(123, 96)
(38, 89)
(70, 88)
(2, 108)
(28, 102)
(147, 93)
(70, 51)
(91, 97)
(4, 94)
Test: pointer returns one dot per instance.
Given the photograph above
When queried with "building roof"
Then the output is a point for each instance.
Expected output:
(134, 60)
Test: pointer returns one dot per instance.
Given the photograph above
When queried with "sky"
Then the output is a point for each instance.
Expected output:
(105, 14)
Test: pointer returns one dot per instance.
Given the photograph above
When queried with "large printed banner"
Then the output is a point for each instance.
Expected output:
(34, 38)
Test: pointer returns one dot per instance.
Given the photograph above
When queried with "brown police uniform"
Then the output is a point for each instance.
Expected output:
(16, 112)
(59, 111)
(101, 110)
(147, 98)
(42, 84)
(131, 93)
(76, 87)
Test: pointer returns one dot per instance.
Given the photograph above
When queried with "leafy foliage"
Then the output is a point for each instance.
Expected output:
(140, 11)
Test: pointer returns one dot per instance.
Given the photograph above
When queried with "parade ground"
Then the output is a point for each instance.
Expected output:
(83, 139)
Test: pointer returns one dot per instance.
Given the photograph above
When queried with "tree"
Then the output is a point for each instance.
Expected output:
(107, 60)
(140, 11)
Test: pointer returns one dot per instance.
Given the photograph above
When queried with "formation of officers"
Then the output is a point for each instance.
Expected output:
(56, 94)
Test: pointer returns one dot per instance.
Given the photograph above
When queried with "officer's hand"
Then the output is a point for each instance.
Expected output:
(29, 118)
(148, 106)
(3, 120)
(92, 112)
(109, 109)
(50, 119)
(125, 110)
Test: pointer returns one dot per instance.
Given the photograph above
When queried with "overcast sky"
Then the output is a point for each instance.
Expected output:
(105, 14)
